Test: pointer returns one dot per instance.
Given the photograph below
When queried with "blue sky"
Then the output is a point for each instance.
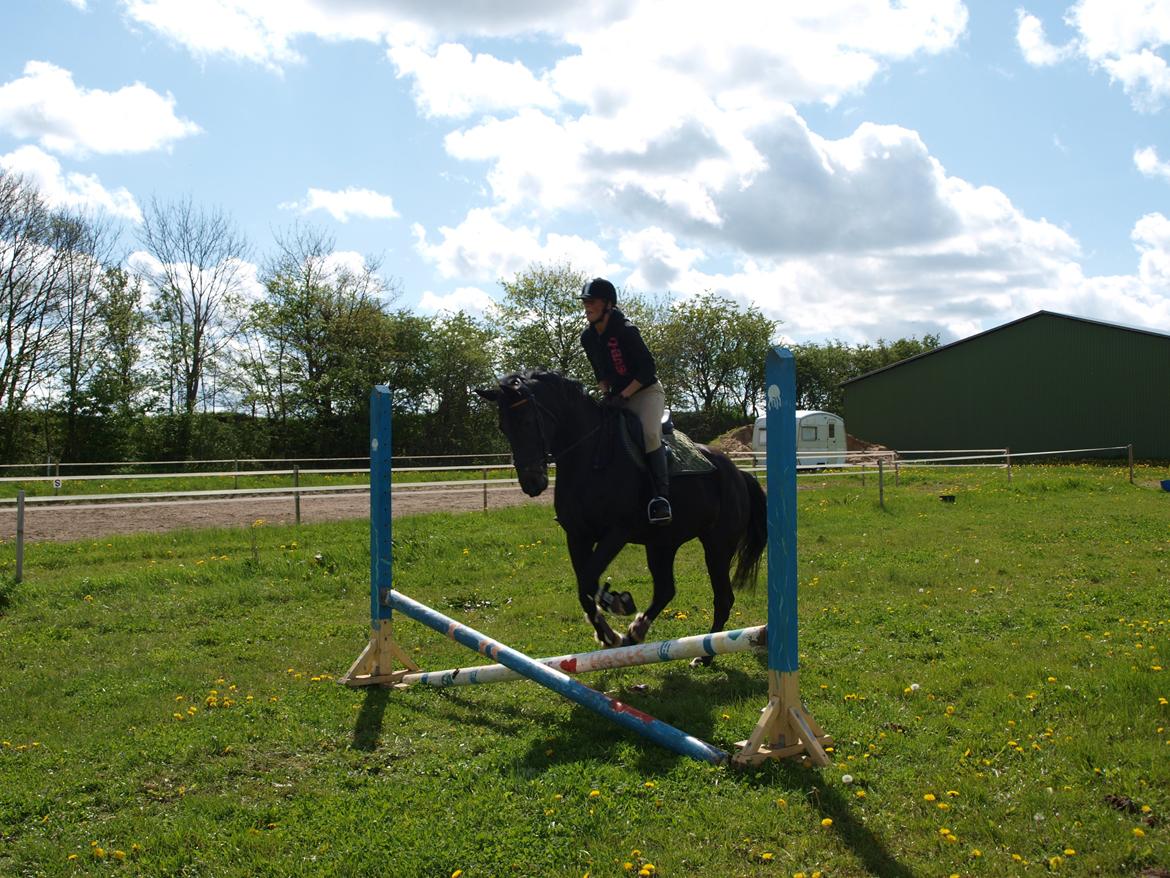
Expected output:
(868, 169)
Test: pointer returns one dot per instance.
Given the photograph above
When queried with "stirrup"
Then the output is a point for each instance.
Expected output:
(658, 511)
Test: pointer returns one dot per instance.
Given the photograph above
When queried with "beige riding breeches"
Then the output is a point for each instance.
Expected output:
(648, 404)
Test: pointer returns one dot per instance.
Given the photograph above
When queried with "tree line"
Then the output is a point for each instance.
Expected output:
(195, 348)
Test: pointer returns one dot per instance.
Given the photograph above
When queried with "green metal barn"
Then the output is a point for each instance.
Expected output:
(1045, 382)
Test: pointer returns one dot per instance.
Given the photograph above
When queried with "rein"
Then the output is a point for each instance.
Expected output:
(549, 454)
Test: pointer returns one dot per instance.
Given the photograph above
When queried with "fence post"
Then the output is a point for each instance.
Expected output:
(1007, 453)
(57, 478)
(19, 536)
(897, 473)
(1131, 463)
(881, 485)
(863, 474)
(485, 472)
(236, 474)
(297, 494)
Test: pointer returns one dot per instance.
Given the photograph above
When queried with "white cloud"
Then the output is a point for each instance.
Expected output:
(1146, 160)
(80, 4)
(452, 82)
(1121, 37)
(345, 204)
(1034, 44)
(484, 249)
(470, 300)
(73, 190)
(46, 105)
(1151, 235)
(657, 257)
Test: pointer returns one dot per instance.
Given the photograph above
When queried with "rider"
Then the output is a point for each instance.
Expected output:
(626, 375)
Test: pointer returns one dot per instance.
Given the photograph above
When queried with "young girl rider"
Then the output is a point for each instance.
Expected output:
(626, 375)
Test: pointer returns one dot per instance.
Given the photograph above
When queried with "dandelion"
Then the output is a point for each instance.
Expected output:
(846, 778)
(1139, 832)
(119, 855)
(456, 873)
(1054, 862)
(71, 857)
(593, 794)
(628, 866)
(954, 794)
(1069, 852)
(976, 853)
(860, 794)
(827, 822)
(929, 797)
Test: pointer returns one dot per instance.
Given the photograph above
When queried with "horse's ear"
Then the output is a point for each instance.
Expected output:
(489, 393)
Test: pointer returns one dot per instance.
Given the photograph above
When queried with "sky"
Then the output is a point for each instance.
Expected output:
(856, 169)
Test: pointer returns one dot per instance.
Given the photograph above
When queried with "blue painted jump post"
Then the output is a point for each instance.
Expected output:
(785, 728)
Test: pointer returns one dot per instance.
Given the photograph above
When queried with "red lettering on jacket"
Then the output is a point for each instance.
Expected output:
(615, 354)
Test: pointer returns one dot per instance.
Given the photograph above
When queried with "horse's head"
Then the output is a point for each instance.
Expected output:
(529, 426)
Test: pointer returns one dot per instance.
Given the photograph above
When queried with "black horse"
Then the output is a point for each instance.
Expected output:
(547, 417)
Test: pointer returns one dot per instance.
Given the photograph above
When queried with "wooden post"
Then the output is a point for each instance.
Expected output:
(785, 728)
(236, 470)
(485, 472)
(297, 494)
(863, 473)
(881, 484)
(1007, 453)
(1131, 463)
(897, 480)
(19, 535)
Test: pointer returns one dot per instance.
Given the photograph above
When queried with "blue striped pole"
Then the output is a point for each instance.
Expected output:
(381, 568)
(623, 714)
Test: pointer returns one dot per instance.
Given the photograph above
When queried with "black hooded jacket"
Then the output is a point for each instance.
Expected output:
(619, 355)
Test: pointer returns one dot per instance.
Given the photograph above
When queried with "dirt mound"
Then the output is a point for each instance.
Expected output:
(734, 441)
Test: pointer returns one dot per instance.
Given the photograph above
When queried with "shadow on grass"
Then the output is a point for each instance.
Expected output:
(866, 846)
(681, 698)
(367, 731)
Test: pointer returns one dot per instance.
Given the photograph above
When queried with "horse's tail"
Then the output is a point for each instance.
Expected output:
(754, 540)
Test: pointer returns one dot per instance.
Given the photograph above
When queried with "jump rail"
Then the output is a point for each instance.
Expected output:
(785, 728)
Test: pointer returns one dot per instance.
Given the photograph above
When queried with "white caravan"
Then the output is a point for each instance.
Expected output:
(820, 439)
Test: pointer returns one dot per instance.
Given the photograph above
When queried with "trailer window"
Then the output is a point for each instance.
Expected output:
(808, 434)
(832, 431)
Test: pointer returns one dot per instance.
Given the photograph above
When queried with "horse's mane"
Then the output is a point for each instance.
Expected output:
(570, 387)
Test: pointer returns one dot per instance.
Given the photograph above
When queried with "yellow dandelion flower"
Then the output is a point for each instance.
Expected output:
(975, 852)
(766, 856)
(71, 857)
(827, 822)
(929, 797)
(1139, 832)
(783, 803)
(628, 866)
(953, 793)
(860, 794)
(593, 794)
(942, 806)
(797, 875)
(1069, 852)
(119, 855)
(456, 873)
(99, 852)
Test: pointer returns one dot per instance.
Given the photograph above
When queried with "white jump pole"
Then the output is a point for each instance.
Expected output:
(695, 646)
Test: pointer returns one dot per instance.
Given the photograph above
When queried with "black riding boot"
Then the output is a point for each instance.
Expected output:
(658, 511)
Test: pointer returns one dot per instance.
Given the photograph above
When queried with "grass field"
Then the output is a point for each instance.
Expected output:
(992, 670)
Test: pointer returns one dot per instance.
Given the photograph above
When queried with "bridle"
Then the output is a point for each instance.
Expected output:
(547, 455)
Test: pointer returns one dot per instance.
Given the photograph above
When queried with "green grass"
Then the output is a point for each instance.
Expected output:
(1000, 654)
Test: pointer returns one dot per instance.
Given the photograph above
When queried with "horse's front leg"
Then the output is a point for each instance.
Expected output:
(589, 562)
(660, 560)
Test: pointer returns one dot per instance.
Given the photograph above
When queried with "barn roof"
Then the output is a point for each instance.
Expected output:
(930, 353)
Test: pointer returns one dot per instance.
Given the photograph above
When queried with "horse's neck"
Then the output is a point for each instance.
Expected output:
(579, 431)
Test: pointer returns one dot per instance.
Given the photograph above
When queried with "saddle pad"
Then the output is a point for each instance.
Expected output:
(685, 457)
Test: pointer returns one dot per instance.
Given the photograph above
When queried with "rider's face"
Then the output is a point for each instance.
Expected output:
(594, 309)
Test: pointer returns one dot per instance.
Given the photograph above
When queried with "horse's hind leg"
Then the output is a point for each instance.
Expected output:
(660, 560)
(718, 560)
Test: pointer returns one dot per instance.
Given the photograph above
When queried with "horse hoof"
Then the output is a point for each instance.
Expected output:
(636, 633)
(701, 661)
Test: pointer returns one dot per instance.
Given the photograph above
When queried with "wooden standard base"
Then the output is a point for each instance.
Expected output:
(375, 666)
(785, 728)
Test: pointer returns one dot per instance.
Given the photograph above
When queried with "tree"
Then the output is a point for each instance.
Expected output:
(540, 321)
(198, 274)
(119, 394)
(86, 248)
(459, 360)
(31, 241)
(711, 355)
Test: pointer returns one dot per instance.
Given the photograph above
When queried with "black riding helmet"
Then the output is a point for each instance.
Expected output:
(599, 288)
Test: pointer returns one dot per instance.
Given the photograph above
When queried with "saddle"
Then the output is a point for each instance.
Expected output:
(682, 454)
